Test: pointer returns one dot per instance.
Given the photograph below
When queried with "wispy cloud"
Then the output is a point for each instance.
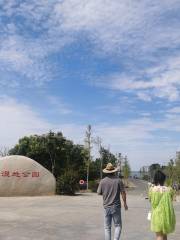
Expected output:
(18, 120)
(33, 30)
(112, 22)
(142, 38)
(58, 105)
(26, 41)
(145, 96)
(162, 81)
(136, 137)
(175, 110)
(16, 57)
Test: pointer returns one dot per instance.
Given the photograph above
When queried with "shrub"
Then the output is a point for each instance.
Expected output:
(169, 182)
(93, 185)
(68, 183)
(145, 178)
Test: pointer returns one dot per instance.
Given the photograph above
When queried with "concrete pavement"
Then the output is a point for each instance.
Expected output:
(67, 218)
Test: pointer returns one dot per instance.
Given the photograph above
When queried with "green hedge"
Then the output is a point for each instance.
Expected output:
(93, 185)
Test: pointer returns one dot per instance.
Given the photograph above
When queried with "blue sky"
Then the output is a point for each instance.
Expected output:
(112, 64)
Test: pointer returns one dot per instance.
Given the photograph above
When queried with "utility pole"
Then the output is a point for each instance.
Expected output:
(119, 162)
(88, 146)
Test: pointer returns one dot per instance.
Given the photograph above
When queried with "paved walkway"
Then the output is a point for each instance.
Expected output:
(67, 218)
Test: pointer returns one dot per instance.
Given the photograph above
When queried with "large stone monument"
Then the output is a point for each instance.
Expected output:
(22, 176)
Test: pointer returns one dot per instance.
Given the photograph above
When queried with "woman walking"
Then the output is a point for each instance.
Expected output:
(162, 218)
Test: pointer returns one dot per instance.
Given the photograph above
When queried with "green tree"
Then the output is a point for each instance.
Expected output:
(126, 169)
(95, 169)
(107, 157)
(54, 152)
(4, 151)
(153, 168)
(170, 172)
(177, 170)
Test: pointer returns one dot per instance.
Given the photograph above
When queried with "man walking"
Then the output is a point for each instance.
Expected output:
(111, 187)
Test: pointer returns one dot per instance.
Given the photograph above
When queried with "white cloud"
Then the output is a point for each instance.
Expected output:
(141, 141)
(162, 81)
(58, 106)
(136, 138)
(144, 96)
(174, 110)
(116, 24)
(136, 29)
(143, 36)
(72, 131)
(18, 120)
(26, 44)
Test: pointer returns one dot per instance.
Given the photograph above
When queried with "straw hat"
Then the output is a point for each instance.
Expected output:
(110, 168)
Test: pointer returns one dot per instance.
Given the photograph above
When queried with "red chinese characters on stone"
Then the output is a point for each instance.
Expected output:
(35, 174)
(18, 174)
(5, 173)
(26, 174)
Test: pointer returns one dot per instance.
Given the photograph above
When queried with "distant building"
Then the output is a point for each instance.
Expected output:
(144, 172)
(177, 155)
(144, 169)
(135, 174)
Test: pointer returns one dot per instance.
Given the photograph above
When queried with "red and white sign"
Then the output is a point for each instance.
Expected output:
(81, 182)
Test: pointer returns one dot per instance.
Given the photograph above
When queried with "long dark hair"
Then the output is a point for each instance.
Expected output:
(159, 178)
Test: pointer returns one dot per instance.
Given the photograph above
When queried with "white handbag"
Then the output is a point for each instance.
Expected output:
(149, 216)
